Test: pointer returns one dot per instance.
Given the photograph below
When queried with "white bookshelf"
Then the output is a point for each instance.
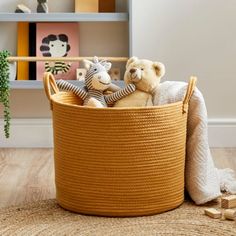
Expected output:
(118, 17)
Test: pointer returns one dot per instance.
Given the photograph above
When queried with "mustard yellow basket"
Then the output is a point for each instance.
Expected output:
(118, 161)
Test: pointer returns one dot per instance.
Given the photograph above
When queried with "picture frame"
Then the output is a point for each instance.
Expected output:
(57, 40)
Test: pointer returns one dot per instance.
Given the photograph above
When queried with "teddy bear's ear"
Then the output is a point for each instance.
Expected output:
(87, 64)
(131, 60)
(159, 68)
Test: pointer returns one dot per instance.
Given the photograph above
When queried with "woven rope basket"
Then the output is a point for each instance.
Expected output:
(118, 161)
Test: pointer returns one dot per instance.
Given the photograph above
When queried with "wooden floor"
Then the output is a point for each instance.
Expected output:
(27, 175)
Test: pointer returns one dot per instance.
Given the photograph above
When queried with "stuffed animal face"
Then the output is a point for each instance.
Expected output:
(145, 74)
(97, 76)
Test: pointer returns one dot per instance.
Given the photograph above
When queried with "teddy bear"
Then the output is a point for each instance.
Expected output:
(146, 76)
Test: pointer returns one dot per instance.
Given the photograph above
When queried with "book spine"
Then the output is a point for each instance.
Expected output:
(32, 50)
(23, 50)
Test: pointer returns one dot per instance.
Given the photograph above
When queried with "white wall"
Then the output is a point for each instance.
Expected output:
(192, 37)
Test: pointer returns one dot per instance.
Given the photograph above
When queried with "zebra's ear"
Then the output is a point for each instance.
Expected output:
(95, 59)
(87, 64)
(107, 66)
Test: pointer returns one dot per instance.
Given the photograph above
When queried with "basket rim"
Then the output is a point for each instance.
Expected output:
(54, 100)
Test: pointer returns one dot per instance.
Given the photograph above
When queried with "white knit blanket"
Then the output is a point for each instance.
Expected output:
(203, 181)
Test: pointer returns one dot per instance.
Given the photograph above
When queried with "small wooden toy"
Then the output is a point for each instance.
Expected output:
(228, 201)
(21, 8)
(80, 74)
(213, 213)
(230, 214)
(42, 6)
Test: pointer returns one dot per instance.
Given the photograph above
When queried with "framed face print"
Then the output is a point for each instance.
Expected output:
(57, 40)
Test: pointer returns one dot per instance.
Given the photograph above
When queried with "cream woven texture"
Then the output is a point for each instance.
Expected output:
(118, 161)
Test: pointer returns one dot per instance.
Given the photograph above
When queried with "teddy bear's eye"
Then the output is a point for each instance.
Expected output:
(95, 69)
(142, 68)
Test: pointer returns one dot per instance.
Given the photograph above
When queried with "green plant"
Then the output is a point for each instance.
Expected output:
(5, 90)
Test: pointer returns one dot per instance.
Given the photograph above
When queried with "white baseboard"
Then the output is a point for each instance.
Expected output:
(37, 133)
(222, 132)
(28, 133)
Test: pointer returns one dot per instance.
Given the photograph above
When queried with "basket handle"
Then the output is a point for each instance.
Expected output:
(190, 90)
(49, 85)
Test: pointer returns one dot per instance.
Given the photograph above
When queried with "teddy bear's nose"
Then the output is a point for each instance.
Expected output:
(132, 71)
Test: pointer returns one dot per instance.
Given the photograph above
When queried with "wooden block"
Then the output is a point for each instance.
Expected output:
(107, 5)
(213, 213)
(80, 74)
(228, 202)
(86, 5)
(230, 214)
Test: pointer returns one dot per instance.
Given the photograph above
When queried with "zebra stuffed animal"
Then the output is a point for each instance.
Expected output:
(97, 80)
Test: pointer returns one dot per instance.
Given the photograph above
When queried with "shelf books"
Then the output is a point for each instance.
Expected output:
(57, 40)
(23, 50)
(32, 50)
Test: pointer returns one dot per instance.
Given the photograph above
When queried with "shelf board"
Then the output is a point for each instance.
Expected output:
(63, 17)
(35, 84)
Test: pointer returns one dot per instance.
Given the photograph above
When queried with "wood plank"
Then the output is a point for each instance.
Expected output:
(26, 175)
